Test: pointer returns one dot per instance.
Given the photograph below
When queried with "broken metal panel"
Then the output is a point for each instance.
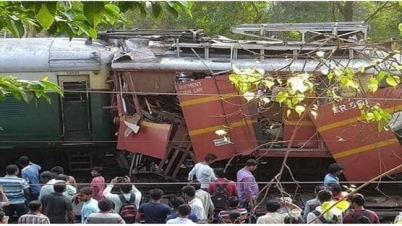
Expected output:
(215, 106)
(151, 82)
(353, 142)
(152, 139)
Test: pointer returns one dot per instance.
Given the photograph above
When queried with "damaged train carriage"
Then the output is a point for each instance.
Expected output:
(172, 100)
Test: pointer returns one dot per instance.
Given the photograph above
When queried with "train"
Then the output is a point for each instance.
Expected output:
(151, 101)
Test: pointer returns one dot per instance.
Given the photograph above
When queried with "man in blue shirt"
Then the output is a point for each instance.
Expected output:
(30, 172)
(90, 205)
(334, 170)
(153, 212)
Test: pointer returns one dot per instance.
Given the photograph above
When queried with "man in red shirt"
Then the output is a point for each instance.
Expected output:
(230, 185)
(225, 185)
(358, 214)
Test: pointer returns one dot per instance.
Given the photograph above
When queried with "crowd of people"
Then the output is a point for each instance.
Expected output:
(208, 198)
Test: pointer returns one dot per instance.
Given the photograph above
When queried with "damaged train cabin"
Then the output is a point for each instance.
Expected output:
(173, 93)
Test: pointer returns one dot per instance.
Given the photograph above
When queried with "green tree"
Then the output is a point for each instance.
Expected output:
(214, 17)
(75, 18)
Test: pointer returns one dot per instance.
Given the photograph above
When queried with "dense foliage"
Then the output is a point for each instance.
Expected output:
(74, 18)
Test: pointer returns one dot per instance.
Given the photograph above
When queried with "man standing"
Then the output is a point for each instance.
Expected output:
(30, 172)
(204, 172)
(90, 205)
(234, 206)
(272, 216)
(358, 214)
(205, 198)
(71, 188)
(230, 186)
(175, 203)
(247, 185)
(58, 207)
(127, 192)
(184, 211)
(153, 212)
(16, 189)
(330, 217)
(34, 216)
(195, 203)
(334, 170)
(105, 215)
(97, 183)
(47, 188)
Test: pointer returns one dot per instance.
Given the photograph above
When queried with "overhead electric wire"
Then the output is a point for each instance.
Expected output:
(171, 142)
(257, 182)
(206, 94)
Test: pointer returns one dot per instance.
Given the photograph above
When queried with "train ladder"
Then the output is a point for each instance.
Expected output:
(177, 152)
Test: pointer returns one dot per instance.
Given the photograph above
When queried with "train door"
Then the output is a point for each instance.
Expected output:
(75, 108)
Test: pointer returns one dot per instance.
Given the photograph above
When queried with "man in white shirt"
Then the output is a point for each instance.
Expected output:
(272, 216)
(46, 178)
(205, 198)
(195, 203)
(184, 211)
(203, 172)
(330, 216)
(126, 188)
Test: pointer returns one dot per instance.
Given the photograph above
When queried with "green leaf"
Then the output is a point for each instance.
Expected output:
(45, 13)
(27, 4)
(92, 33)
(112, 9)
(391, 81)
(111, 13)
(183, 6)
(156, 11)
(50, 86)
(171, 9)
(16, 27)
(82, 26)
(281, 96)
(94, 11)
(381, 75)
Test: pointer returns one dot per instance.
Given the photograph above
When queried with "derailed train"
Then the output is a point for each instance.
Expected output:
(161, 95)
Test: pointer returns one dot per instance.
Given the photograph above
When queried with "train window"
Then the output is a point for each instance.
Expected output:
(75, 91)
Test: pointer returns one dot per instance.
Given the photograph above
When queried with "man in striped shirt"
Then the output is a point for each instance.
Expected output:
(34, 216)
(234, 206)
(16, 190)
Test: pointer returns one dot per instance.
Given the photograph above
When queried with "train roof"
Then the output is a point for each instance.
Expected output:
(51, 54)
